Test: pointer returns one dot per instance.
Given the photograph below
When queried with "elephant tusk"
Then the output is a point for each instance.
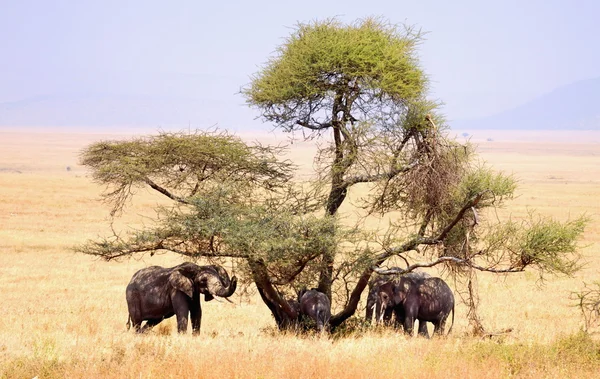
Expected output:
(226, 298)
(372, 306)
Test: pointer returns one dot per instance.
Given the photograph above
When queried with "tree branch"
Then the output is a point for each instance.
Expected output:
(321, 126)
(440, 260)
(373, 178)
(350, 308)
(102, 249)
(165, 192)
(470, 204)
(299, 269)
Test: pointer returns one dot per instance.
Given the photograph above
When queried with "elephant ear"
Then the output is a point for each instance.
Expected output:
(181, 283)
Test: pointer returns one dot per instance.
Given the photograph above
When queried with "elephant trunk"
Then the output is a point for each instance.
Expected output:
(222, 287)
(369, 310)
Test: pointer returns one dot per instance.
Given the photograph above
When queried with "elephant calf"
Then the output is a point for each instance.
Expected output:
(156, 293)
(316, 306)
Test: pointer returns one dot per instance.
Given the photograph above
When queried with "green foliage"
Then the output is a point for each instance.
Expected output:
(219, 224)
(368, 62)
(472, 190)
(494, 186)
(548, 245)
(183, 165)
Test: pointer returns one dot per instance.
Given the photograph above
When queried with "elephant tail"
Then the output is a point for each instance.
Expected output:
(128, 325)
(322, 319)
(451, 325)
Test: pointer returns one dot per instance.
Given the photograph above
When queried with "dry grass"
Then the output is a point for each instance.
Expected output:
(64, 314)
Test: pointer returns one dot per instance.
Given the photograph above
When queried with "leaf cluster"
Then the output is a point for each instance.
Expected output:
(369, 62)
(181, 165)
(216, 225)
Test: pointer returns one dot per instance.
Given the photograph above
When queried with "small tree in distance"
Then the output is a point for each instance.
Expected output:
(360, 91)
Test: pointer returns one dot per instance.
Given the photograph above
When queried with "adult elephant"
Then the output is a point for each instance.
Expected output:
(156, 293)
(424, 299)
(374, 304)
(315, 306)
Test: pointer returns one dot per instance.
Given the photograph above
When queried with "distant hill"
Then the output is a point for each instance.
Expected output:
(215, 102)
(107, 100)
(572, 107)
(100, 110)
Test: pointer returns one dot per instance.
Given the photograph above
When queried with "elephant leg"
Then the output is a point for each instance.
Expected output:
(398, 321)
(137, 325)
(409, 324)
(196, 316)
(423, 332)
(387, 316)
(150, 324)
(181, 306)
(134, 308)
(398, 314)
(439, 326)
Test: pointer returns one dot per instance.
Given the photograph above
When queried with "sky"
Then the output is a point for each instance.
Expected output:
(482, 57)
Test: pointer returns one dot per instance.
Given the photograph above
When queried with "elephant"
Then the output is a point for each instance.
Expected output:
(156, 293)
(316, 306)
(424, 299)
(373, 302)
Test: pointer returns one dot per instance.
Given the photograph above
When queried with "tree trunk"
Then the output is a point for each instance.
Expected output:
(285, 316)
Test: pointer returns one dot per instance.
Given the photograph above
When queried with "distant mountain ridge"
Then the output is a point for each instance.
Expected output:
(109, 110)
(572, 107)
(575, 106)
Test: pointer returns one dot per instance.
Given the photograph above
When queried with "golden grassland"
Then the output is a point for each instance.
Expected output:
(64, 314)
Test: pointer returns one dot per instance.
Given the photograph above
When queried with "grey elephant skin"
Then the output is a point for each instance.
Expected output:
(374, 303)
(424, 299)
(315, 306)
(156, 293)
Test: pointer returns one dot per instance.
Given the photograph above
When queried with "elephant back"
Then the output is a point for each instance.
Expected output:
(438, 289)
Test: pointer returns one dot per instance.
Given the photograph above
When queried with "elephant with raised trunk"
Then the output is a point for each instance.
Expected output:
(424, 299)
(156, 293)
(315, 306)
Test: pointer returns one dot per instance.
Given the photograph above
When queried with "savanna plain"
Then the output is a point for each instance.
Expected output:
(64, 313)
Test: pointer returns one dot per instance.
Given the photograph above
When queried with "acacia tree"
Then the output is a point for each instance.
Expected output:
(360, 91)
(360, 87)
(229, 200)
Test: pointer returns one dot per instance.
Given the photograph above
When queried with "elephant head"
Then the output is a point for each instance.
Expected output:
(393, 293)
(385, 299)
(210, 281)
(372, 302)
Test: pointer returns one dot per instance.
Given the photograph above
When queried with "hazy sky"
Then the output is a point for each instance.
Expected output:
(482, 56)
